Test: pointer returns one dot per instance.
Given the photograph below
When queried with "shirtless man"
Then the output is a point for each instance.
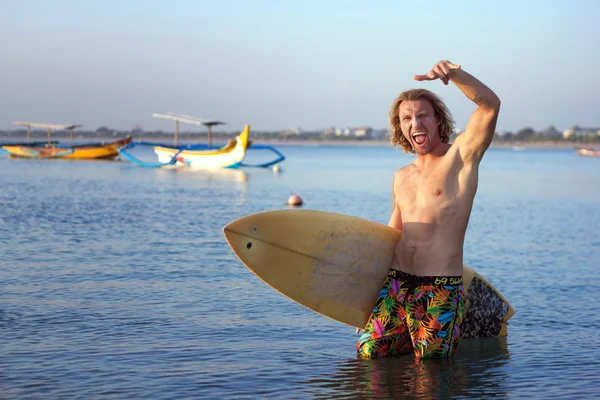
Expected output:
(421, 304)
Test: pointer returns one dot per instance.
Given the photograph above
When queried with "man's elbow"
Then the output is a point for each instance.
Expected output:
(497, 103)
(492, 104)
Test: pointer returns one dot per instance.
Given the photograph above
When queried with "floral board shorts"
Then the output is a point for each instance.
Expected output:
(414, 313)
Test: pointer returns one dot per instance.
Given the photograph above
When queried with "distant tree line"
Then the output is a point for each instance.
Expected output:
(526, 134)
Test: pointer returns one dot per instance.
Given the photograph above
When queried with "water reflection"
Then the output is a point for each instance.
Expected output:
(476, 370)
(216, 185)
(220, 174)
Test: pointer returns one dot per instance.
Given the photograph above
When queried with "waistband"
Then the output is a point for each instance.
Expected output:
(425, 280)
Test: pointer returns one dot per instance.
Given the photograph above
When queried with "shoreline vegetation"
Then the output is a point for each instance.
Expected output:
(516, 142)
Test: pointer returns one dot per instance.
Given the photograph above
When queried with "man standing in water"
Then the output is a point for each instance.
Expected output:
(421, 304)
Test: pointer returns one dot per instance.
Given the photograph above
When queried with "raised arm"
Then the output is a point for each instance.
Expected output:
(478, 135)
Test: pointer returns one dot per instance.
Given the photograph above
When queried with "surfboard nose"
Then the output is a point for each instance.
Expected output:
(246, 226)
(240, 232)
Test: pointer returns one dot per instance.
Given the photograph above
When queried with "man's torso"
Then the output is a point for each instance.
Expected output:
(435, 204)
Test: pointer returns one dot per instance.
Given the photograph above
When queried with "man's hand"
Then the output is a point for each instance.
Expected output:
(441, 71)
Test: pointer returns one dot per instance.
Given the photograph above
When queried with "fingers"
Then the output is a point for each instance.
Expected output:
(432, 75)
(445, 70)
(447, 64)
(422, 78)
(440, 71)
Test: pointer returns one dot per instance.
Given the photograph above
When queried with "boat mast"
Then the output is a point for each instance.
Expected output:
(189, 120)
(210, 124)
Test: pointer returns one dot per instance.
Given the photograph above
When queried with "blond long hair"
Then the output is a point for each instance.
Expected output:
(442, 115)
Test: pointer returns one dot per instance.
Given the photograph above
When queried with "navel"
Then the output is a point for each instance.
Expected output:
(438, 192)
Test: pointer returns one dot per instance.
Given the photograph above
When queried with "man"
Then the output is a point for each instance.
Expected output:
(421, 304)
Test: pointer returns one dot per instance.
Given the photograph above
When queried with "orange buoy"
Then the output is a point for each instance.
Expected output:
(295, 200)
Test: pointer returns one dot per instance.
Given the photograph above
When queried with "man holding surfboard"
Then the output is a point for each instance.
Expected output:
(421, 304)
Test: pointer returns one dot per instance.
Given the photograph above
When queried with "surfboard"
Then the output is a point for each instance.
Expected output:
(335, 265)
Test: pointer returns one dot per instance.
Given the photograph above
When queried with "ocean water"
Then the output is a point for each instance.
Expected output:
(116, 282)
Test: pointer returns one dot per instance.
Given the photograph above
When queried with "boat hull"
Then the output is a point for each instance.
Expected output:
(82, 152)
(229, 156)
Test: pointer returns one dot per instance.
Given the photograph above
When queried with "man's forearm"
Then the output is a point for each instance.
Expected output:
(476, 91)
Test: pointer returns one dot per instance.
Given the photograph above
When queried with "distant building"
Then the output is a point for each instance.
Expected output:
(361, 132)
(329, 131)
(289, 132)
(364, 132)
(579, 132)
(343, 132)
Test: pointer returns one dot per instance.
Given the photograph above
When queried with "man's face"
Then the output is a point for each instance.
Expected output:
(419, 125)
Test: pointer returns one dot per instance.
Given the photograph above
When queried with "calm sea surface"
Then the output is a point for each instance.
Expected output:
(116, 282)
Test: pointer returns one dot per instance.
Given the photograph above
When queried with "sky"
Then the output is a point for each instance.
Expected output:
(283, 64)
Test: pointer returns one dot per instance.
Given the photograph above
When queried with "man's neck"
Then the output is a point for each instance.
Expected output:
(423, 160)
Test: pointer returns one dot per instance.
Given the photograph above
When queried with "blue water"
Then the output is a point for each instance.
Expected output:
(116, 282)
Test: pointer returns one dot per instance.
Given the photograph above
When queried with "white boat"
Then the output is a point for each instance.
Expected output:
(588, 153)
(230, 155)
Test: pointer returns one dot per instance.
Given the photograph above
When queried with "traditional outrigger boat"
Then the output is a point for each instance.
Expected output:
(88, 151)
(229, 156)
(201, 156)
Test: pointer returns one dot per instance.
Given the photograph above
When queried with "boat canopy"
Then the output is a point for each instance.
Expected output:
(50, 127)
(188, 119)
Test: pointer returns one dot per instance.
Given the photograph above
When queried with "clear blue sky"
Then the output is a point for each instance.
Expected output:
(285, 64)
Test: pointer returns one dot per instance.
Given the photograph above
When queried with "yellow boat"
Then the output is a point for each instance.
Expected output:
(88, 151)
(91, 151)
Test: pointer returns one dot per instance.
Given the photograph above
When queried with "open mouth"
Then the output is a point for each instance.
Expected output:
(419, 138)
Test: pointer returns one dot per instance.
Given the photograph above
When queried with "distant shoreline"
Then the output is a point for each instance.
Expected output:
(219, 140)
(510, 145)
(370, 142)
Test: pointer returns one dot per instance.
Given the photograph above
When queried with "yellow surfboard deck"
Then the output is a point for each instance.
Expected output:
(335, 265)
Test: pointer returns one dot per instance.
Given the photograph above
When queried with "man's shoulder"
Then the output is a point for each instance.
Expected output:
(402, 171)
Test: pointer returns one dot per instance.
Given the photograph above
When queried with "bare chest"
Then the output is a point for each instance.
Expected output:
(428, 191)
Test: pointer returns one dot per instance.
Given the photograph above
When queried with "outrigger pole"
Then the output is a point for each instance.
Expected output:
(190, 120)
(50, 127)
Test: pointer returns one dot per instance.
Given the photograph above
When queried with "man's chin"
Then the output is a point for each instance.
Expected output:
(421, 151)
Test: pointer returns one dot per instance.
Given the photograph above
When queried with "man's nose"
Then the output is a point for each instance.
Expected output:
(416, 122)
